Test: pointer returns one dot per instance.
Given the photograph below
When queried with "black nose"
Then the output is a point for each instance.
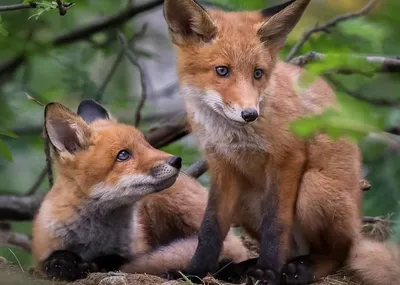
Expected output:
(175, 161)
(249, 115)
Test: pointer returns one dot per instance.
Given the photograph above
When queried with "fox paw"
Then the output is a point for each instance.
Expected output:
(298, 271)
(67, 266)
(262, 277)
(234, 272)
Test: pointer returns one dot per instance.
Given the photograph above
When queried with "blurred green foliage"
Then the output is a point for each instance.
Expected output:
(72, 72)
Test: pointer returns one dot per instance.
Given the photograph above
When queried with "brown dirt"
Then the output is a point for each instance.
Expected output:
(10, 274)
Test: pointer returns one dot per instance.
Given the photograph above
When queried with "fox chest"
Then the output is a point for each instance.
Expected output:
(242, 147)
(96, 234)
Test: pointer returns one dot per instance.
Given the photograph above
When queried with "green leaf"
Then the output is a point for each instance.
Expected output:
(9, 134)
(353, 119)
(5, 151)
(2, 30)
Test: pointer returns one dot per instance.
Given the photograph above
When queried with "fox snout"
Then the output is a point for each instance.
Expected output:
(249, 115)
(166, 173)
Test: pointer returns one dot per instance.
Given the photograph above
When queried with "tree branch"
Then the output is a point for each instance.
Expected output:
(167, 133)
(373, 101)
(38, 181)
(142, 74)
(326, 26)
(116, 63)
(18, 6)
(377, 63)
(197, 169)
(11, 239)
(86, 31)
(19, 208)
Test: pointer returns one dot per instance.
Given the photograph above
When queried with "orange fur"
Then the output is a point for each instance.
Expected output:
(162, 222)
(318, 180)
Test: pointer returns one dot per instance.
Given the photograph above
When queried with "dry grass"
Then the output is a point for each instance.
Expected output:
(10, 274)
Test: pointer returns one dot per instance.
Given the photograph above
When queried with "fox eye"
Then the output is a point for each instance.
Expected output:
(123, 155)
(258, 73)
(222, 70)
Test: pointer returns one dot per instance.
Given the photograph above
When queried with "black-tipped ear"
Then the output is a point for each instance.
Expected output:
(90, 111)
(270, 11)
(276, 29)
(188, 21)
(66, 130)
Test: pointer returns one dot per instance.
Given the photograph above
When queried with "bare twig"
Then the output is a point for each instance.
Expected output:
(11, 239)
(368, 219)
(34, 99)
(8, 67)
(19, 208)
(358, 95)
(364, 185)
(48, 160)
(38, 181)
(143, 76)
(86, 31)
(375, 63)
(167, 133)
(109, 76)
(117, 62)
(18, 6)
(62, 8)
(197, 169)
(326, 26)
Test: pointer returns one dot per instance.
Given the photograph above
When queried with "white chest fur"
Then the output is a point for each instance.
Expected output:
(216, 132)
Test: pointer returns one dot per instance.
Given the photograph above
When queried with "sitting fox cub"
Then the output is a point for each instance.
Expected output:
(100, 216)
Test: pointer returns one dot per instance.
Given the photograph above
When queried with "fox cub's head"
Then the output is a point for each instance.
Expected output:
(105, 159)
(225, 59)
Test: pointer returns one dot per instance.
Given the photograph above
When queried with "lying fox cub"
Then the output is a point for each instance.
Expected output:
(100, 216)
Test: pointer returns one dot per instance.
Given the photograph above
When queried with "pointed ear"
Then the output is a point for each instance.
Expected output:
(188, 21)
(90, 111)
(283, 18)
(65, 129)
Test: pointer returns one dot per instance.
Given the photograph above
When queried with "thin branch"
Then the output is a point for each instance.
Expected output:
(326, 26)
(38, 181)
(48, 160)
(376, 63)
(197, 169)
(109, 76)
(143, 76)
(18, 6)
(12, 239)
(19, 208)
(86, 31)
(63, 7)
(116, 64)
(364, 185)
(8, 67)
(358, 95)
(170, 132)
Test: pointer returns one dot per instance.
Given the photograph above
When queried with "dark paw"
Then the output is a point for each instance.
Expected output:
(67, 266)
(234, 272)
(262, 277)
(298, 271)
(111, 262)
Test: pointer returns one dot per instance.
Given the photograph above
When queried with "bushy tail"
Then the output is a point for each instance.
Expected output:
(375, 263)
(177, 255)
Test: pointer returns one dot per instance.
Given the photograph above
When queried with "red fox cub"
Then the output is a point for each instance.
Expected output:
(300, 199)
(117, 203)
